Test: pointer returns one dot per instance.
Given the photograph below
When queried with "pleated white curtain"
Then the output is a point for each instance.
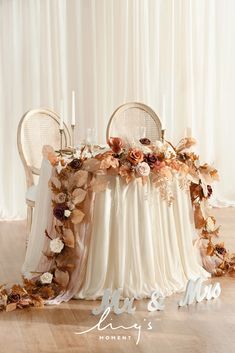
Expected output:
(111, 52)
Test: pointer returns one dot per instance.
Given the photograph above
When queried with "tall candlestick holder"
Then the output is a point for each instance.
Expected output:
(72, 137)
(163, 135)
(61, 141)
(73, 140)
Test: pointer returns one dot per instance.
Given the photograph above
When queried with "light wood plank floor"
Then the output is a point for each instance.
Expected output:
(208, 327)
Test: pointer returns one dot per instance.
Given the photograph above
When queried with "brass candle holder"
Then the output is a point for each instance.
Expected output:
(163, 135)
(61, 142)
(72, 128)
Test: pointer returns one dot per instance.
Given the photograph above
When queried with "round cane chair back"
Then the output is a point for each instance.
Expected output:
(132, 121)
(38, 127)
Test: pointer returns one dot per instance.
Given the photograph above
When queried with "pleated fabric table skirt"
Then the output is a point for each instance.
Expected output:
(139, 243)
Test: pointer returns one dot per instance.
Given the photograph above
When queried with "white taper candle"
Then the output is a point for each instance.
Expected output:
(73, 109)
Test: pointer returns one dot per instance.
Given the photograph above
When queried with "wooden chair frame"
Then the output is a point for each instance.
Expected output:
(31, 170)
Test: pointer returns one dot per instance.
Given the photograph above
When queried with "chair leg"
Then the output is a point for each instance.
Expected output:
(29, 223)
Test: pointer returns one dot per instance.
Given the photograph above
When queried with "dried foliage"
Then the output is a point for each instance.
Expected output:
(74, 180)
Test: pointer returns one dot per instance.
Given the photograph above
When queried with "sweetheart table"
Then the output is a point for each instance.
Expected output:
(133, 239)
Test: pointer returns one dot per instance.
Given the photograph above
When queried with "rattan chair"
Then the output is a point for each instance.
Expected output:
(128, 117)
(38, 127)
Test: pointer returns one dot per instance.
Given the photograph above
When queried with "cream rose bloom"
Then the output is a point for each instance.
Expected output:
(143, 169)
(60, 198)
(67, 213)
(56, 245)
(46, 278)
(210, 224)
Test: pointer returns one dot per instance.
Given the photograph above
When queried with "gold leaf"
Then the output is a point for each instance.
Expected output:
(198, 217)
(17, 289)
(11, 307)
(46, 292)
(37, 301)
(77, 216)
(80, 178)
(218, 272)
(210, 250)
(78, 195)
(62, 278)
(68, 238)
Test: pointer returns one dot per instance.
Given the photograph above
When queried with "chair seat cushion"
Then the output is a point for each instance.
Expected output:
(31, 193)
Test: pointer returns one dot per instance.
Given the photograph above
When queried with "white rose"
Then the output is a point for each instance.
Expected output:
(143, 169)
(67, 213)
(46, 278)
(159, 145)
(56, 245)
(210, 224)
(167, 154)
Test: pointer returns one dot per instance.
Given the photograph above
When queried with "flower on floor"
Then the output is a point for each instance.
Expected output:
(56, 245)
(46, 278)
(67, 213)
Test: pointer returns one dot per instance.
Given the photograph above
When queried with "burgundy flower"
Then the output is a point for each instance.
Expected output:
(220, 249)
(76, 163)
(13, 298)
(209, 190)
(145, 141)
(151, 159)
(58, 212)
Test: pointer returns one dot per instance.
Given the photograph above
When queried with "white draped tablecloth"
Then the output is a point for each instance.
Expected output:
(138, 242)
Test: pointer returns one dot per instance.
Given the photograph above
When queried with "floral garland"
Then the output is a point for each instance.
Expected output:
(72, 184)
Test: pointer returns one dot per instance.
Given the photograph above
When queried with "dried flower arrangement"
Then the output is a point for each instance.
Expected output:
(74, 181)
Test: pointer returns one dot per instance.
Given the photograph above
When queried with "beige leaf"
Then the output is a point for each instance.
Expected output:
(78, 195)
(11, 307)
(77, 216)
(166, 172)
(99, 184)
(185, 143)
(80, 178)
(62, 278)
(68, 237)
(55, 181)
(91, 164)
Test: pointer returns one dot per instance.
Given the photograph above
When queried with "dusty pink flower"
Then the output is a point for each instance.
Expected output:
(143, 169)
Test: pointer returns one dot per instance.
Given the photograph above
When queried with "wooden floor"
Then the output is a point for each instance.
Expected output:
(208, 327)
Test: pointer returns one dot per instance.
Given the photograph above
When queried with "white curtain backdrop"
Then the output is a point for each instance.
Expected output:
(111, 52)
